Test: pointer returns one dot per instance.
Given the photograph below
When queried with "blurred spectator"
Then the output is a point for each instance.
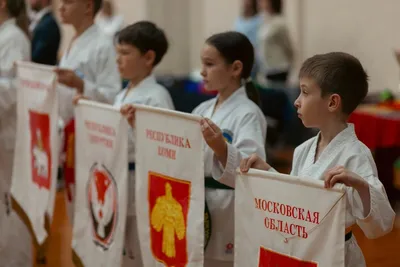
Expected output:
(46, 35)
(275, 48)
(108, 21)
(249, 23)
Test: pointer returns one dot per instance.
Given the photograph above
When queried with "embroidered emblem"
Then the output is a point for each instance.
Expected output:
(168, 217)
(102, 195)
(228, 136)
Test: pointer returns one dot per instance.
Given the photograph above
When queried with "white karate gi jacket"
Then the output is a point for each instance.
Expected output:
(93, 58)
(147, 92)
(244, 127)
(347, 151)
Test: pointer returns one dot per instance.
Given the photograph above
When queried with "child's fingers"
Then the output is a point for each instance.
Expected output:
(77, 98)
(253, 159)
(329, 176)
(212, 125)
(206, 130)
(126, 109)
(338, 178)
(243, 165)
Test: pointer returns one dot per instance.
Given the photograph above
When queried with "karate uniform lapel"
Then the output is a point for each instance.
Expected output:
(328, 157)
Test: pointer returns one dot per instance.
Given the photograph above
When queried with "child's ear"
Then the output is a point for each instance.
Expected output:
(150, 57)
(335, 102)
(237, 67)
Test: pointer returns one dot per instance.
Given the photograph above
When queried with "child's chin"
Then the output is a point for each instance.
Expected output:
(207, 88)
(305, 124)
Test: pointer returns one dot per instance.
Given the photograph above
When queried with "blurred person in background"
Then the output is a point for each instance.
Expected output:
(108, 20)
(249, 23)
(46, 35)
(275, 48)
(15, 239)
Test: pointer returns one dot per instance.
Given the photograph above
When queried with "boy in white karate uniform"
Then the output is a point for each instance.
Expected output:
(140, 48)
(88, 66)
(332, 86)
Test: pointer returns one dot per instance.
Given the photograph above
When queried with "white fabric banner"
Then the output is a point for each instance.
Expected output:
(281, 220)
(101, 166)
(169, 187)
(36, 151)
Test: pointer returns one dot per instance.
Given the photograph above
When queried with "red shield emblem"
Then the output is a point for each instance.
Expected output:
(169, 205)
(40, 149)
(269, 258)
(103, 205)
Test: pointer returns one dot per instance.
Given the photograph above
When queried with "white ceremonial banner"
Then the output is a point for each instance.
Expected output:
(101, 165)
(281, 220)
(169, 187)
(34, 179)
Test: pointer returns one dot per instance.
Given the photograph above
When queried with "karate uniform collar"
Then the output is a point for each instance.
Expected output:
(145, 83)
(238, 92)
(88, 32)
(345, 136)
(7, 22)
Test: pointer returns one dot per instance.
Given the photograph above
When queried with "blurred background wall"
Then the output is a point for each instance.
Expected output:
(366, 28)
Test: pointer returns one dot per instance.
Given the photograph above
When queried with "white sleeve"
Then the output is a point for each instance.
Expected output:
(250, 139)
(295, 161)
(380, 218)
(8, 94)
(107, 82)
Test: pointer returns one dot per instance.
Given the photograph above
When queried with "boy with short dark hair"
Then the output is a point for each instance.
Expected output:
(332, 86)
(140, 48)
(145, 36)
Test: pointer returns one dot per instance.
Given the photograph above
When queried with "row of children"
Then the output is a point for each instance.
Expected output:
(332, 86)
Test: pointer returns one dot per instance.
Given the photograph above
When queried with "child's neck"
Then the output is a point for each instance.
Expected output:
(224, 94)
(330, 131)
(327, 134)
(81, 27)
(138, 79)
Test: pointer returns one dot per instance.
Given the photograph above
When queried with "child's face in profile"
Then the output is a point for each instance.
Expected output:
(217, 74)
(312, 108)
(131, 62)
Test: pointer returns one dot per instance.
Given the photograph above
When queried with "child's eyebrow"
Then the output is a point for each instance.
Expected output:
(207, 58)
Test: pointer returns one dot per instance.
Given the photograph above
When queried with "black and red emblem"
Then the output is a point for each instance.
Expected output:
(103, 205)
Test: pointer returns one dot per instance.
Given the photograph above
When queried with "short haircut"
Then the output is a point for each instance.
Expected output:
(338, 73)
(145, 36)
